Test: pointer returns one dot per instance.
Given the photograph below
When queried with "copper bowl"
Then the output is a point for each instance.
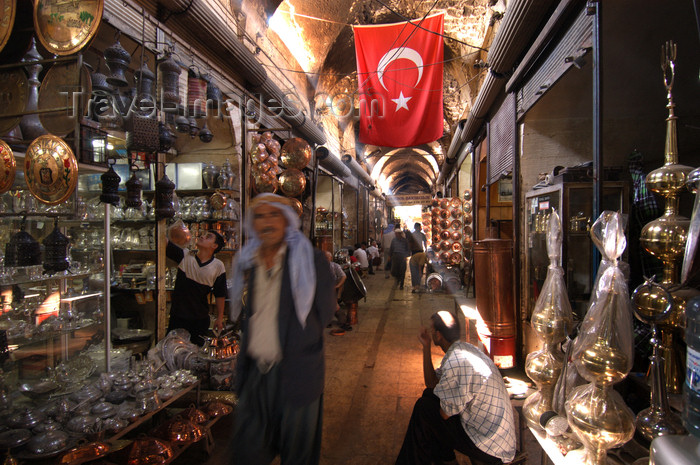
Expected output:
(149, 451)
(195, 415)
(455, 213)
(264, 184)
(427, 221)
(444, 257)
(445, 245)
(455, 258)
(180, 431)
(435, 203)
(467, 231)
(467, 208)
(434, 281)
(85, 453)
(444, 224)
(467, 240)
(444, 213)
(445, 235)
(435, 212)
(468, 218)
(435, 221)
(455, 202)
(456, 224)
(456, 236)
(444, 203)
(467, 194)
(217, 409)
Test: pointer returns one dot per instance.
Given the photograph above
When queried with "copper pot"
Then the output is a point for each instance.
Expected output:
(85, 453)
(258, 153)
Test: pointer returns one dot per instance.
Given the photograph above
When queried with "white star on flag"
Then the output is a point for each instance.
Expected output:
(401, 101)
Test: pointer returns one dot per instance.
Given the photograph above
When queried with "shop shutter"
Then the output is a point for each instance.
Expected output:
(574, 44)
(501, 137)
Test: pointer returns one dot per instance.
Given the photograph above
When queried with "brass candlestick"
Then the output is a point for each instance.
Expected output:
(603, 351)
(657, 420)
(551, 320)
(665, 237)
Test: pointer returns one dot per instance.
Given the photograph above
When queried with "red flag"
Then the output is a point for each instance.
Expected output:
(399, 74)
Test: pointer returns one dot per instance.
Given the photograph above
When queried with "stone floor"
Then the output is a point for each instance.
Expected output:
(374, 375)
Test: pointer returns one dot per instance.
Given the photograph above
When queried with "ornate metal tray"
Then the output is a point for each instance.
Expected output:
(8, 9)
(8, 167)
(56, 91)
(50, 169)
(66, 26)
(13, 97)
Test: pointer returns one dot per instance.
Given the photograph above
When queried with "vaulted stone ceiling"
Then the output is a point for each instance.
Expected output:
(328, 57)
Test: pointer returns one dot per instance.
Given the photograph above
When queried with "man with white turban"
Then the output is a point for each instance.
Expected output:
(283, 291)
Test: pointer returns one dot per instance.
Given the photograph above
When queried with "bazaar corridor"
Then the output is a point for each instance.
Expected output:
(373, 377)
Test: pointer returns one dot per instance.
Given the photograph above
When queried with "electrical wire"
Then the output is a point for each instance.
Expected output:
(428, 30)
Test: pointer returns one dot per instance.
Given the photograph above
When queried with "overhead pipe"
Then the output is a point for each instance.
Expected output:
(454, 144)
(520, 23)
(357, 170)
(199, 17)
(332, 163)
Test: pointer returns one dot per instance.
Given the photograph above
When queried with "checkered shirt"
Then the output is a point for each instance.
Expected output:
(470, 385)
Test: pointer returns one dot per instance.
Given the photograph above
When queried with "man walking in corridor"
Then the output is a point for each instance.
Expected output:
(283, 290)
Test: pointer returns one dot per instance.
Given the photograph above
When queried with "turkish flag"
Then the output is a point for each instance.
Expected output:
(399, 75)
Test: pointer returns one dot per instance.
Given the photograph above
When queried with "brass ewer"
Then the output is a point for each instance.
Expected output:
(552, 320)
(665, 237)
(603, 351)
(657, 420)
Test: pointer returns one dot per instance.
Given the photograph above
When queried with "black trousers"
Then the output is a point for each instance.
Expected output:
(432, 439)
(197, 328)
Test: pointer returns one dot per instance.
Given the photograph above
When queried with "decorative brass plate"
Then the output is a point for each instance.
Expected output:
(58, 90)
(66, 26)
(50, 169)
(8, 9)
(8, 167)
(13, 97)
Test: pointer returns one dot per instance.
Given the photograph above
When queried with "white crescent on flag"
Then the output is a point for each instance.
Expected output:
(395, 54)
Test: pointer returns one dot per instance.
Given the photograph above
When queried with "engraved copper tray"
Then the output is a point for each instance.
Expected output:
(13, 97)
(8, 9)
(50, 169)
(8, 167)
(66, 26)
(58, 90)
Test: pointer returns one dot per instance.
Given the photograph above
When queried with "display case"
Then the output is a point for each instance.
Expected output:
(52, 310)
(574, 202)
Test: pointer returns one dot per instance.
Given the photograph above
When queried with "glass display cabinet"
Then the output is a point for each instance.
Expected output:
(574, 202)
(52, 310)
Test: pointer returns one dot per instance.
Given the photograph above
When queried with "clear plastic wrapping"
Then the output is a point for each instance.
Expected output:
(604, 350)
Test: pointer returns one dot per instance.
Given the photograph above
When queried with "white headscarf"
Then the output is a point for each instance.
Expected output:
(301, 258)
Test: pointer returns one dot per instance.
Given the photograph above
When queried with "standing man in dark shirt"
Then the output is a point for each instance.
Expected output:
(417, 239)
(198, 274)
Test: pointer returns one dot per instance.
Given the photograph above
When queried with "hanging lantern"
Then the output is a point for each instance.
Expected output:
(164, 198)
(182, 124)
(56, 250)
(194, 129)
(205, 135)
(169, 72)
(110, 186)
(117, 59)
(196, 94)
(133, 191)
